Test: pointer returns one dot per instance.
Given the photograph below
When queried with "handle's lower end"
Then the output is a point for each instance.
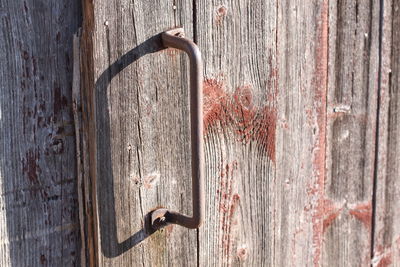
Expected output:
(156, 220)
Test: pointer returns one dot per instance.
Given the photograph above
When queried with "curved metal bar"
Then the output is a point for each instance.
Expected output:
(161, 217)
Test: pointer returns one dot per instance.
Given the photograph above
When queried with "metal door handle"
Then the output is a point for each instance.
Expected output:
(160, 217)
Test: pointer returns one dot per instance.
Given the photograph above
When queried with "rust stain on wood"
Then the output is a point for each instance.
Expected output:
(363, 212)
(250, 123)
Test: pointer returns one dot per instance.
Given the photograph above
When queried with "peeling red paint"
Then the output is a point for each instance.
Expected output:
(215, 102)
(250, 122)
(326, 211)
(385, 261)
(221, 14)
(320, 88)
(234, 204)
(382, 256)
(329, 213)
(363, 213)
(228, 203)
(295, 236)
(229, 168)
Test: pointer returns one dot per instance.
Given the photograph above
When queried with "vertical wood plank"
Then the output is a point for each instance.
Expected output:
(351, 129)
(387, 215)
(302, 42)
(137, 96)
(238, 42)
(38, 202)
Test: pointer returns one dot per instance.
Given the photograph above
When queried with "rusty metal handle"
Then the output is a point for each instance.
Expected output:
(158, 218)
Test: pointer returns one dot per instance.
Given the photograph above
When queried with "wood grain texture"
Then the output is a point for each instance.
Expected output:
(302, 43)
(387, 213)
(351, 131)
(139, 153)
(238, 42)
(292, 95)
(38, 201)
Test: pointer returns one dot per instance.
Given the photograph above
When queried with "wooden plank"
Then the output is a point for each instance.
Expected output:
(302, 43)
(137, 102)
(290, 125)
(351, 129)
(286, 201)
(238, 42)
(38, 200)
(387, 214)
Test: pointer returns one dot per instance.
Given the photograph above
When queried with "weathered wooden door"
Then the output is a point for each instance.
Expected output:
(301, 145)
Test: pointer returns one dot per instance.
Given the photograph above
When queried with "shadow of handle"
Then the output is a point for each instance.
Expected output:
(110, 245)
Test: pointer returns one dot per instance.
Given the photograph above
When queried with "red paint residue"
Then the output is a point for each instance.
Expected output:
(228, 203)
(249, 122)
(363, 213)
(385, 261)
(326, 211)
(294, 240)
(319, 118)
(329, 213)
(383, 256)
(31, 167)
(221, 14)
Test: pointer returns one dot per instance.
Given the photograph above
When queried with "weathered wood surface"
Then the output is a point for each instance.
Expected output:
(302, 44)
(38, 201)
(387, 198)
(353, 65)
(139, 135)
(292, 92)
(238, 42)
